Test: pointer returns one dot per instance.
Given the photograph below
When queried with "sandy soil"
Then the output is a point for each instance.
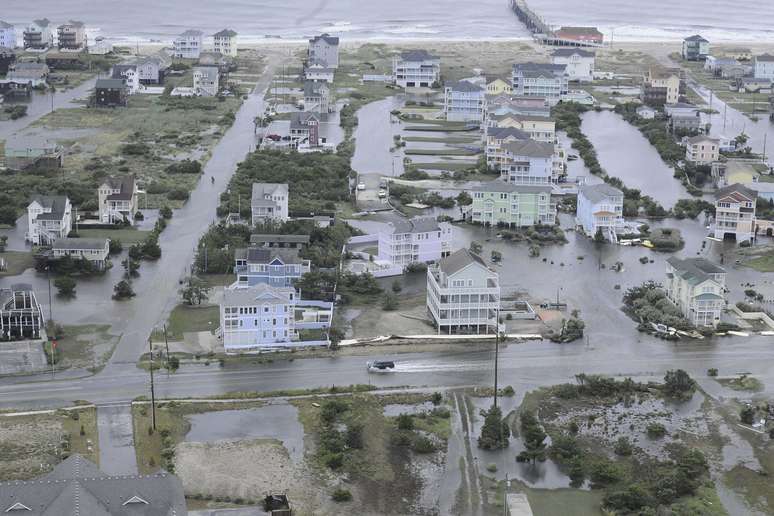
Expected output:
(26, 446)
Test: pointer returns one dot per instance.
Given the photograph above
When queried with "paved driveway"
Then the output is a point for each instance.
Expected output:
(22, 357)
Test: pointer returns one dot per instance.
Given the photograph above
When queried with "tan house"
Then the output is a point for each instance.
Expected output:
(735, 213)
(539, 128)
(498, 87)
(702, 150)
(118, 200)
(697, 287)
(661, 86)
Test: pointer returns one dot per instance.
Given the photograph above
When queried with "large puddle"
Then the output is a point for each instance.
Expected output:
(278, 421)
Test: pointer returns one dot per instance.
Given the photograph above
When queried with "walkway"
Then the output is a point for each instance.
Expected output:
(116, 439)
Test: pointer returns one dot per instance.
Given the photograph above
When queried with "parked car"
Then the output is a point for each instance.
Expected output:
(361, 186)
(382, 194)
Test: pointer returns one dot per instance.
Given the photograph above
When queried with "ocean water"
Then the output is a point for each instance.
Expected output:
(257, 20)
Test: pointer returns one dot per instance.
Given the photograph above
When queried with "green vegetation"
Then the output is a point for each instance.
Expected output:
(495, 432)
(185, 318)
(666, 239)
(534, 438)
(124, 236)
(692, 208)
(656, 430)
(194, 291)
(16, 262)
(648, 303)
(123, 290)
(65, 285)
(678, 385)
(572, 329)
(742, 382)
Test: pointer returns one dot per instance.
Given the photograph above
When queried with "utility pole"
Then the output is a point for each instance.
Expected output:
(725, 108)
(153, 392)
(497, 353)
(166, 345)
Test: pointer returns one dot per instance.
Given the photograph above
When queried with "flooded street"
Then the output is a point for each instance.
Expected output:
(625, 153)
(374, 139)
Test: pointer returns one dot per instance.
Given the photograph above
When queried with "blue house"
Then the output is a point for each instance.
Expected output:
(270, 266)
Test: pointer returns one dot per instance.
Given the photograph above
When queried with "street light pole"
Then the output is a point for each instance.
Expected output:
(497, 352)
(153, 393)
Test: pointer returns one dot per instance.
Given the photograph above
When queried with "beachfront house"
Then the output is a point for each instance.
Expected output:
(735, 213)
(324, 50)
(93, 250)
(305, 128)
(317, 97)
(20, 316)
(270, 266)
(38, 36)
(100, 47)
(463, 294)
(495, 138)
(600, 207)
(128, 74)
(205, 80)
(269, 203)
(702, 150)
(225, 42)
(416, 69)
(32, 74)
(695, 48)
(7, 35)
(72, 36)
(118, 200)
(464, 101)
(585, 35)
(698, 288)
(763, 66)
(498, 86)
(257, 317)
(110, 93)
(579, 63)
(319, 73)
(540, 80)
(77, 486)
(715, 64)
(661, 86)
(497, 203)
(152, 69)
(26, 151)
(49, 218)
(528, 162)
(417, 240)
(188, 45)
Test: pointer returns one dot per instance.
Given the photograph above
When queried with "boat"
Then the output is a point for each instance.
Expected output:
(380, 366)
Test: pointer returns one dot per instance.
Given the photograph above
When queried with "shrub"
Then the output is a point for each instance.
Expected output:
(747, 415)
(492, 467)
(656, 430)
(423, 444)
(177, 194)
(623, 447)
(405, 422)
(712, 371)
(341, 495)
(436, 398)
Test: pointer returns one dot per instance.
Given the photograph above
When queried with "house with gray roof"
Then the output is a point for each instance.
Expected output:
(31, 151)
(77, 486)
(188, 45)
(495, 137)
(579, 63)
(416, 69)
(526, 162)
(49, 218)
(33, 74)
(318, 72)
(94, 250)
(269, 202)
(463, 294)
(498, 203)
(225, 42)
(118, 199)
(600, 208)
(20, 318)
(305, 128)
(324, 51)
(464, 101)
(7, 35)
(417, 240)
(317, 97)
(278, 267)
(763, 66)
(549, 81)
(72, 36)
(278, 240)
(695, 48)
(257, 317)
(205, 80)
(698, 288)
(38, 35)
(110, 93)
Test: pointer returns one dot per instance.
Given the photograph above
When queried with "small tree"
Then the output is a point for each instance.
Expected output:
(389, 302)
(165, 212)
(599, 237)
(475, 247)
(747, 415)
(131, 268)
(495, 432)
(464, 198)
(65, 285)
(173, 363)
(3, 243)
(115, 246)
(396, 286)
(195, 291)
(123, 290)
(534, 439)
(678, 384)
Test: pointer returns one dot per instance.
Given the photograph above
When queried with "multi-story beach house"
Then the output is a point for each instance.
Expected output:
(698, 288)
(7, 35)
(495, 138)
(702, 150)
(38, 36)
(272, 266)
(600, 207)
(528, 162)
(464, 101)
(319, 73)
(498, 203)
(128, 74)
(498, 86)
(110, 93)
(261, 316)
(152, 69)
(72, 36)
(317, 97)
(516, 105)
(20, 314)
(94, 250)
(100, 46)
(305, 128)
(661, 86)
(49, 218)
(695, 48)
(539, 128)
(417, 240)
(578, 63)
(188, 45)
(735, 213)
(324, 50)
(763, 66)
(540, 80)
(118, 200)
(205, 80)
(416, 69)
(225, 42)
(269, 203)
(463, 294)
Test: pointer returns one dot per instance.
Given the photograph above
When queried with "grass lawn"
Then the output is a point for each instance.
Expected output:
(126, 236)
(217, 280)
(16, 262)
(451, 139)
(763, 263)
(742, 383)
(440, 152)
(186, 318)
(153, 449)
(31, 445)
(88, 346)
(452, 166)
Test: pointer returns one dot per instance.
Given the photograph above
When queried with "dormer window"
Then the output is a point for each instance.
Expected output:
(18, 506)
(134, 500)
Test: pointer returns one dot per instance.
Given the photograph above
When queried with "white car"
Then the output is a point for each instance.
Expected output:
(382, 194)
(361, 186)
